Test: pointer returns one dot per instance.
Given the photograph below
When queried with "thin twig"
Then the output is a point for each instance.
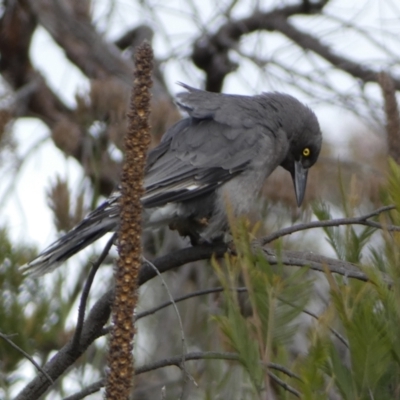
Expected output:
(27, 356)
(206, 355)
(86, 290)
(286, 371)
(316, 262)
(176, 361)
(392, 115)
(283, 384)
(218, 290)
(93, 388)
(315, 316)
(185, 297)
(361, 220)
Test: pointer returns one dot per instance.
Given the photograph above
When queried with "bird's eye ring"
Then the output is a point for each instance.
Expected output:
(306, 152)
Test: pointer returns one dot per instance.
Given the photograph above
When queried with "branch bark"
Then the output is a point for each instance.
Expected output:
(70, 26)
(177, 362)
(210, 52)
(361, 220)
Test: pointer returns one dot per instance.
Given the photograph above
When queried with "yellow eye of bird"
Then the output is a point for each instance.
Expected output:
(306, 152)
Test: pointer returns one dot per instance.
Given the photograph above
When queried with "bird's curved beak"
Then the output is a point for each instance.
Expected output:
(299, 177)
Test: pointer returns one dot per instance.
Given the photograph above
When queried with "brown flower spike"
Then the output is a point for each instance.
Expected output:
(137, 140)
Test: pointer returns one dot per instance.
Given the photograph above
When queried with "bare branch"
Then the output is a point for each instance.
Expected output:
(309, 42)
(181, 257)
(86, 48)
(362, 220)
(210, 53)
(134, 37)
(185, 297)
(40, 101)
(316, 262)
(218, 290)
(284, 385)
(392, 115)
(83, 45)
(86, 290)
(27, 356)
(177, 362)
(68, 354)
(93, 388)
(99, 315)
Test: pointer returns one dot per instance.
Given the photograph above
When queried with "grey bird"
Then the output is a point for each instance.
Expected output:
(222, 152)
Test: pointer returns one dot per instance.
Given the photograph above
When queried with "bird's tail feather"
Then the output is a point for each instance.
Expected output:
(102, 220)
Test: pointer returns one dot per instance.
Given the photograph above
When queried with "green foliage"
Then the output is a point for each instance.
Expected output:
(13, 301)
(367, 314)
(366, 322)
(393, 189)
(266, 324)
(31, 316)
(348, 241)
(276, 299)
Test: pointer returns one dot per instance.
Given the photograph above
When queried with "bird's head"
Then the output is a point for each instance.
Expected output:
(305, 141)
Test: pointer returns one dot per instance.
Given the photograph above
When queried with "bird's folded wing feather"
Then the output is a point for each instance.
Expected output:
(198, 155)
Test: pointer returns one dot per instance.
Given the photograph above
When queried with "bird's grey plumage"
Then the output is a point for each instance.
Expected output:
(222, 152)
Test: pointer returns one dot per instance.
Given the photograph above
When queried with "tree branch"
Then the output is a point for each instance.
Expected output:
(86, 290)
(83, 45)
(17, 26)
(27, 356)
(177, 362)
(309, 42)
(72, 29)
(362, 220)
(392, 115)
(99, 315)
(68, 354)
(218, 290)
(210, 53)
(318, 263)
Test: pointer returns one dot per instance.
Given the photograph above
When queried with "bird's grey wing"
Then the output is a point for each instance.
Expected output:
(198, 157)
(233, 110)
